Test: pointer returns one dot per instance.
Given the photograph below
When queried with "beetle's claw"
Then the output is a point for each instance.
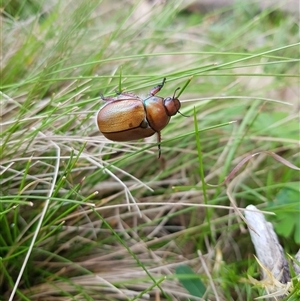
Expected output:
(162, 84)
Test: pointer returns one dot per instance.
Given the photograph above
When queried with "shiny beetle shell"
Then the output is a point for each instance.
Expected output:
(128, 117)
(124, 120)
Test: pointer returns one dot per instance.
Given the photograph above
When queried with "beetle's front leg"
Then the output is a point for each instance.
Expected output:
(157, 88)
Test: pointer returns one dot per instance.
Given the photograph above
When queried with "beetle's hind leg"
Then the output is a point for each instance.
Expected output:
(106, 98)
(129, 94)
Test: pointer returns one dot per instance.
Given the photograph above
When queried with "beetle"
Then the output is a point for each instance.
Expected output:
(129, 117)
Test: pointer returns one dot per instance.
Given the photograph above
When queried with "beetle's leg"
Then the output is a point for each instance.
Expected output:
(128, 94)
(124, 93)
(157, 88)
(106, 98)
(159, 141)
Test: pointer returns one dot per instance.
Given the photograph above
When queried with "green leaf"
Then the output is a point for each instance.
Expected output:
(288, 206)
(190, 281)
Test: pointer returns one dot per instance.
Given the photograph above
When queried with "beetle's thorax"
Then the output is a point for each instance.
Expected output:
(156, 113)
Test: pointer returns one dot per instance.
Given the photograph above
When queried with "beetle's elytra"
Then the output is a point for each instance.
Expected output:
(129, 117)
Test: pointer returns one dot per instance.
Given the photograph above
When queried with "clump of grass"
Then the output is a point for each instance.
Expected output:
(91, 219)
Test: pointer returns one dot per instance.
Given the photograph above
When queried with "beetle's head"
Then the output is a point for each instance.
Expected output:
(172, 104)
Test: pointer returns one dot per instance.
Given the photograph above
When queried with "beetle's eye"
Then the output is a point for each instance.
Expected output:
(172, 105)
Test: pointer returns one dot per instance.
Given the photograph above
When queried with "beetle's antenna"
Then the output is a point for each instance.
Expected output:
(175, 92)
(186, 84)
(184, 115)
(177, 98)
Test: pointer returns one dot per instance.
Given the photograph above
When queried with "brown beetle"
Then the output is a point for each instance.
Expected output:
(129, 117)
